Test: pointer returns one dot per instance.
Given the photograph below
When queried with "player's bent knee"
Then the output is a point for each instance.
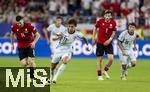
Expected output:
(24, 62)
(31, 61)
(66, 60)
(100, 58)
(133, 64)
(111, 59)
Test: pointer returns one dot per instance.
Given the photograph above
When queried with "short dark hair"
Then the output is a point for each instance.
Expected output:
(72, 21)
(132, 24)
(108, 11)
(58, 17)
(18, 18)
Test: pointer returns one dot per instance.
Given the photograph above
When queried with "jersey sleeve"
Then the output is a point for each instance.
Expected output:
(49, 29)
(121, 37)
(12, 29)
(64, 29)
(97, 24)
(32, 28)
(79, 35)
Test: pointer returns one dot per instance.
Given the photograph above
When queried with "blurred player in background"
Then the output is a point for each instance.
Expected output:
(106, 27)
(64, 49)
(127, 56)
(53, 29)
(24, 33)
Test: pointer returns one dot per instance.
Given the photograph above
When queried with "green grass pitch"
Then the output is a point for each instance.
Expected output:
(80, 76)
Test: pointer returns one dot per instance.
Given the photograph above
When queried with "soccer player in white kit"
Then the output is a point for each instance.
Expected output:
(53, 29)
(64, 49)
(126, 40)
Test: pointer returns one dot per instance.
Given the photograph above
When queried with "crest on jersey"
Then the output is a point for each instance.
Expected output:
(17, 30)
(111, 26)
(26, 30)
(103, 24)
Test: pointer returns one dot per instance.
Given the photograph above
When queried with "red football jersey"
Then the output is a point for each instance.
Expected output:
(24, 35)
(105, 29)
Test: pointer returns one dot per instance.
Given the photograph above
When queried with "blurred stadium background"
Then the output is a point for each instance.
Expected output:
(41, 13)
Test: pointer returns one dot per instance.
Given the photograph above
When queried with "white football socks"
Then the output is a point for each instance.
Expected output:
(59, 71)
(51, 74)
(123, 73)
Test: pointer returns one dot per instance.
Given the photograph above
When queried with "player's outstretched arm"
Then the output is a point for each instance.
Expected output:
(46, 36)
(56, 37)
(12, 40)
(93, 36)
(134, 43)
(86, 42)
(121, 47)
(37, 36)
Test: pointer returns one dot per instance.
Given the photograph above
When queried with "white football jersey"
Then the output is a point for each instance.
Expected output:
(55, 30)
(127, 39)
(65, 44)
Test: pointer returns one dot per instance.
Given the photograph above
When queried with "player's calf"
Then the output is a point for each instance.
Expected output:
(32, 66)
(110, 60)
(52, 70)
(61, 69)
(99, 70)
(108, 64)
(123, 73)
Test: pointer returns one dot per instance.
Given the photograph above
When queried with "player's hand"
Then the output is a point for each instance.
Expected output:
(33, 44)
(87, 47)
(60, 34)
(93, 42)
(107, 42)
(135, 49)
(12, 46)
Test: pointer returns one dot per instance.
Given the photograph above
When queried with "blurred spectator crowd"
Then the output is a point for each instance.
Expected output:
(85, 11)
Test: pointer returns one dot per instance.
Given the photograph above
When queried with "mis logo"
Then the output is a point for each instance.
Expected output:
(17, 79)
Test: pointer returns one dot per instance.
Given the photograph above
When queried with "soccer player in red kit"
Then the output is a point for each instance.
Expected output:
(24, 33)
(106, 27)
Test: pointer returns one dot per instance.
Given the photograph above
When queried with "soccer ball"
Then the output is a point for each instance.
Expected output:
(45, 81)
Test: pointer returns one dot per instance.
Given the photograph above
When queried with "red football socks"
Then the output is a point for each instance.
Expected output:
(99, 72)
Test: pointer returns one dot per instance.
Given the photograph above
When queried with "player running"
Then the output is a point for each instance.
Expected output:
(127, 56)
(53, 29)
(24, 33)
(106, 30)
(63, 51)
